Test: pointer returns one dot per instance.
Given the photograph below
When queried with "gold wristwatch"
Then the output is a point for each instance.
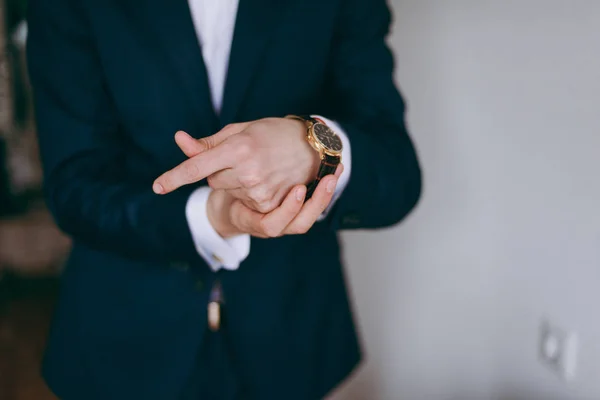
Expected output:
(327, 143)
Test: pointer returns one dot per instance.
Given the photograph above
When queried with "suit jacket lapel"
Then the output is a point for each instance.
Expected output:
(172, 23)
(255, 22)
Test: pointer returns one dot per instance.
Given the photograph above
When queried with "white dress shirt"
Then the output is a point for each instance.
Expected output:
(214, 22)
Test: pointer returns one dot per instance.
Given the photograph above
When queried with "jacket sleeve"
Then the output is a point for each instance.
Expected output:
(91, 192)
(385, 184)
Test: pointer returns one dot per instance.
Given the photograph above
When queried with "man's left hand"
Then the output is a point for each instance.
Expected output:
(257, 162)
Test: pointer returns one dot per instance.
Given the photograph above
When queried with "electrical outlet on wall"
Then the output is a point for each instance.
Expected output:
(558, 350)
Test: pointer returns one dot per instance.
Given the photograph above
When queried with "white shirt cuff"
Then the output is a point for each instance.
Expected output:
(346, 160)
(217, 251)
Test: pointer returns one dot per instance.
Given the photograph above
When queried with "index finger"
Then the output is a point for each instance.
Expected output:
(193, 170)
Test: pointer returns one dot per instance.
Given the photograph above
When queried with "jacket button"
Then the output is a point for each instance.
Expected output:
(180, 266)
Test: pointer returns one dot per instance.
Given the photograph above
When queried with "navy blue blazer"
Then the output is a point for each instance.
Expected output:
(113, 81)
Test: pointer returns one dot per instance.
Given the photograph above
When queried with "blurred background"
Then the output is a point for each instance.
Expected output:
(489, 291)
(31, 247)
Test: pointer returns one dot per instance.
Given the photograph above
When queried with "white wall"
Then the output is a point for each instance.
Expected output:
(504, 105)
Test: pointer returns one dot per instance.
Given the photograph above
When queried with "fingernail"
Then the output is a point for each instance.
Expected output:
(300, 193)
(331, 186)
(158, 189)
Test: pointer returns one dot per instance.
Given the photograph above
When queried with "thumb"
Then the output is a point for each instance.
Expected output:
(192, 147)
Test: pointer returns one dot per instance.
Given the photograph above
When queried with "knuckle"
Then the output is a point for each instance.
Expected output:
(244, 150)
(259, 195)
(244, 147)
(250, 180)
(268, 229)
(207, 142)
(265, 207)
(255, 167)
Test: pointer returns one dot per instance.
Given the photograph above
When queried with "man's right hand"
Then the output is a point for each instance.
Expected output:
(230, 217)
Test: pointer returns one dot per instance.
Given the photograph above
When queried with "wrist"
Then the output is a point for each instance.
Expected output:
(312, 159)
(217, 211)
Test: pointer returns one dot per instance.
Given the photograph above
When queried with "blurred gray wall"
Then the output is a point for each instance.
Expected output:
(504, 106)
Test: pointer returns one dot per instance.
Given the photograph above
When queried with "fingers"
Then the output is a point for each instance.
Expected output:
(272, 224)
(190, 146)
(194, 169)
(210, 142)
(226, 180)
(293, 217)
(314, 207)
(197, 168)
(229, 130)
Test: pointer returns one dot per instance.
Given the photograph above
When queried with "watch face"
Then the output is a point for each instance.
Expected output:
(328, 138)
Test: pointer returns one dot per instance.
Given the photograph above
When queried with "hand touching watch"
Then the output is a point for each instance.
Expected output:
(327, 143)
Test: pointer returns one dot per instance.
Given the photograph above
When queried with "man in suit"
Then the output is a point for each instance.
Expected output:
(177, 289)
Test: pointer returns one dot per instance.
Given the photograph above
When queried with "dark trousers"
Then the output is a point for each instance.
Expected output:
(214, 377)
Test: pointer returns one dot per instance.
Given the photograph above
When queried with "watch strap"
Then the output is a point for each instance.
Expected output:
(306, 118)
(328, 166)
